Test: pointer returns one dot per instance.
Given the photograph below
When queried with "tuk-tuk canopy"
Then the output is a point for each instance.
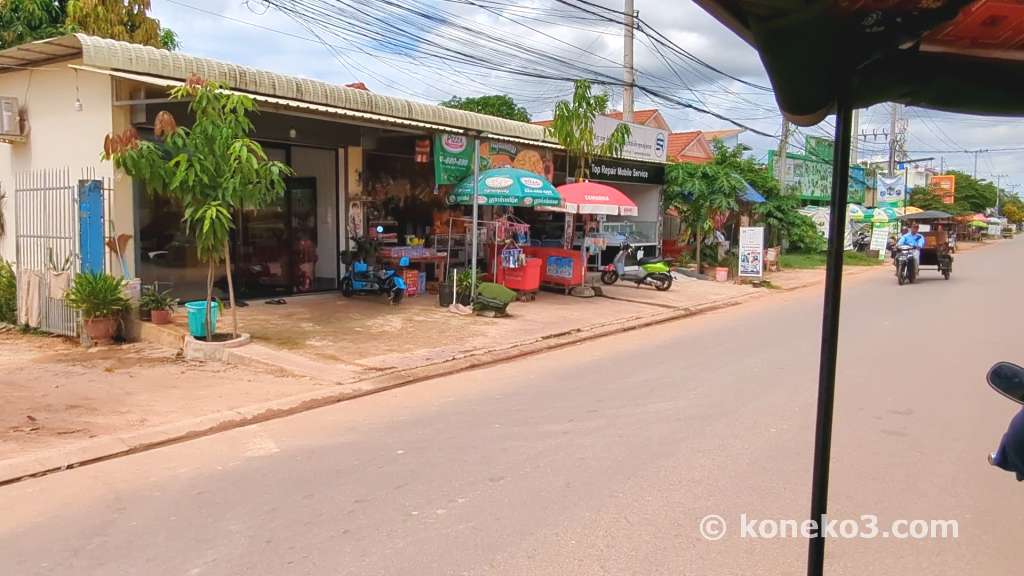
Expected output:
(954, 55)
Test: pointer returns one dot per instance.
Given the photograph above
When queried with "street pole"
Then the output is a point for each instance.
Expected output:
(894, 113)
(999, 188)
(780, 158)
(627, 63)
(976, 164)
(476, 208)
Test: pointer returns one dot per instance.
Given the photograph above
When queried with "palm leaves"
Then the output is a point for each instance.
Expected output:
(573, 127)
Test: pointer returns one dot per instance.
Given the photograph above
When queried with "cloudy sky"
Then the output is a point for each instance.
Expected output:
(532, 49)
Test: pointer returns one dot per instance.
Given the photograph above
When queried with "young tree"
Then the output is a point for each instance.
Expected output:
(699, 192)
(212, 169)
(23, 21)
(498, 105)
(573, 127)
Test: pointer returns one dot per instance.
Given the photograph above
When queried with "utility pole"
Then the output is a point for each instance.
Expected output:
(942, 164)
(976, 164)
(780, 156)
(627, 63)
(855, 143)
(894, 114)
(999, 188)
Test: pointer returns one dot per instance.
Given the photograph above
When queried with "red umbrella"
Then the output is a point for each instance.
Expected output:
(593, 198)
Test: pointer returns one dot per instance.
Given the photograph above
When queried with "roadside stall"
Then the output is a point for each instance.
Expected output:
(585, 205)
(506, 238)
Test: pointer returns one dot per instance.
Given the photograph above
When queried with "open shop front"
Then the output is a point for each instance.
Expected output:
(642, 183)
(288, 247)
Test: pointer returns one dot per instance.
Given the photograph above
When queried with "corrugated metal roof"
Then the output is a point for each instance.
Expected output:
(118, 55)
(281, 102)
(127, 57)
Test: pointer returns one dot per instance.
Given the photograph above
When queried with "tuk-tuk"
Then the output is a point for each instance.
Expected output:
(937, 253)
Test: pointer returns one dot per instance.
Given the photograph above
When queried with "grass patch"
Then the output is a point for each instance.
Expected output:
(801, 260)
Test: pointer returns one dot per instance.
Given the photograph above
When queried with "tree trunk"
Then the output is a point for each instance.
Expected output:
(700, 247)
(231, 290)
(209, 301)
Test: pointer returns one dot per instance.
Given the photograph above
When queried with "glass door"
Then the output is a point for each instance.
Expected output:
(301, 196)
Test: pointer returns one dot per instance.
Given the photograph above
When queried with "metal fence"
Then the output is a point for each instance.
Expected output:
(48, 243)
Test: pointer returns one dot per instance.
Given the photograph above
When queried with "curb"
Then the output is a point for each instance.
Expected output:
(102, 449)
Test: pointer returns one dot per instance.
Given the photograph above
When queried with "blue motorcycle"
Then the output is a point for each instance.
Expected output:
(362, 278)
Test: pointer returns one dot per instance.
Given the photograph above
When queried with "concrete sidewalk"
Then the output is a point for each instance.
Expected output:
(311, 352)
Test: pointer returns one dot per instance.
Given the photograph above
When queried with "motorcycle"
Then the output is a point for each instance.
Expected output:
(1008, 380)
(906, 265)
(360, 278)
(653, 271)
(862, 240)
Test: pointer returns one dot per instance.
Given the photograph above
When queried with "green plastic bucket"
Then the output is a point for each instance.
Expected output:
(197, 317)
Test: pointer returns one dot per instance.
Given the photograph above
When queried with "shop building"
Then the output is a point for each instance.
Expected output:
(363, 162)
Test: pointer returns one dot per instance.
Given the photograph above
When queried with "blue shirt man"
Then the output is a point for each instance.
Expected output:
(912, 239)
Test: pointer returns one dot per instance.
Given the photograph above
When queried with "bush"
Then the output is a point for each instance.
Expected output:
(8, 294)
(98, 296)
(803, 234)
(153, 299)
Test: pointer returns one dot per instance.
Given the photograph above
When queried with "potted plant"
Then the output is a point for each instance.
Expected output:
(159, 304)
(101, 300)
(464, 285)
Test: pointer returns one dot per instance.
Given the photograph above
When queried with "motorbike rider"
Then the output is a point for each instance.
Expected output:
(915, 240)
(1010, 454)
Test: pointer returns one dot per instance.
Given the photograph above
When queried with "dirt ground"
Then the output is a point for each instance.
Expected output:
(56, 393)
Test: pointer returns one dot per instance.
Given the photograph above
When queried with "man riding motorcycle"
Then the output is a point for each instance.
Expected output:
(915, 240)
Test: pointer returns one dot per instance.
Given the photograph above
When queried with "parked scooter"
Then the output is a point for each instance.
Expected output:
(906, 265)
(360, 278)
(1008, 380)
(653, 271)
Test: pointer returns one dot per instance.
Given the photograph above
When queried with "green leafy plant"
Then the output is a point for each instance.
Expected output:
(155, 299)
(700, 192)
(26, 20)
(212, 169)
(8, 294)
(97, 295)
(573, 127)
(464, 280)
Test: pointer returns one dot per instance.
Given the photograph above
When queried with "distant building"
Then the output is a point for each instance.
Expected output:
(691, 147)
(730, 137)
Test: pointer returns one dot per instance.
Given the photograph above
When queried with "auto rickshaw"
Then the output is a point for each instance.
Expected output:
(937, 253)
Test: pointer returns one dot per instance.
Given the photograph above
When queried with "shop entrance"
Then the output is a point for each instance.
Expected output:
(277, 244)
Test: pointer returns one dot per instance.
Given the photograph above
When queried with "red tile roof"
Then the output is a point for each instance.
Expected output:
(639, 116)
(710, 135)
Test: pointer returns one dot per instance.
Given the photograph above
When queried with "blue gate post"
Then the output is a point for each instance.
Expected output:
(91, 246)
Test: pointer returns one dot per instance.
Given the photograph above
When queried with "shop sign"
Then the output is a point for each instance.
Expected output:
(751, 262)
(625, 171)
(879, 239)
(453, 158)
(644, 142)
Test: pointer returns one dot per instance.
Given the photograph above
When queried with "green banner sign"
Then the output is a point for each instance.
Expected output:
(453, 158)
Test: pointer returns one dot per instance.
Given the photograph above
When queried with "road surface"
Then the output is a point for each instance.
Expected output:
(597, 459)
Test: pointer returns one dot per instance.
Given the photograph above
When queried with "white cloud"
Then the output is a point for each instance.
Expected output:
(595, 42)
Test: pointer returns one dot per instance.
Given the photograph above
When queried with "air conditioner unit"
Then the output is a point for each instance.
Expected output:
(10, 116)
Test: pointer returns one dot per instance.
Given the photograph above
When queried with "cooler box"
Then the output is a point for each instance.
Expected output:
(525, 278)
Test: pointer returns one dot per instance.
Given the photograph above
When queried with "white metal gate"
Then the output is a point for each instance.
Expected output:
(47, 240)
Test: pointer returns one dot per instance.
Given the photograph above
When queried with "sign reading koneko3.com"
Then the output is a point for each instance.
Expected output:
(644, 143)
(453, 157)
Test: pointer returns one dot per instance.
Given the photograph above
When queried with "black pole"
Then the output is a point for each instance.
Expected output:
(830, 334)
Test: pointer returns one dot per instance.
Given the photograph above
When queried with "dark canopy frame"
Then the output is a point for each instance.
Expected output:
(831, 56)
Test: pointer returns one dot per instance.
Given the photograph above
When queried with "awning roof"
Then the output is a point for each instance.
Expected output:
(955, 55)
(116, 56)
(595, 198)
(274, 101)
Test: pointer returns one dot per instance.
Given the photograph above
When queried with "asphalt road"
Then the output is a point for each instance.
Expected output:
(597, 459)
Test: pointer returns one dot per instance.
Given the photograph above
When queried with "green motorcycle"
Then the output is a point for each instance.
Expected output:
(653, 271)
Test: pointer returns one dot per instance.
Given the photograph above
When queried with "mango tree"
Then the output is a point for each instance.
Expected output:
(212, 169)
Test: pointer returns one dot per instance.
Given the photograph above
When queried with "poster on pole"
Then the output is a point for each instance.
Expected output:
(891, 189)
(879, 239)
(751, 263)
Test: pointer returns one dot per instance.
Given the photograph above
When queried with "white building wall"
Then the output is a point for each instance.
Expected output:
(59, 136)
